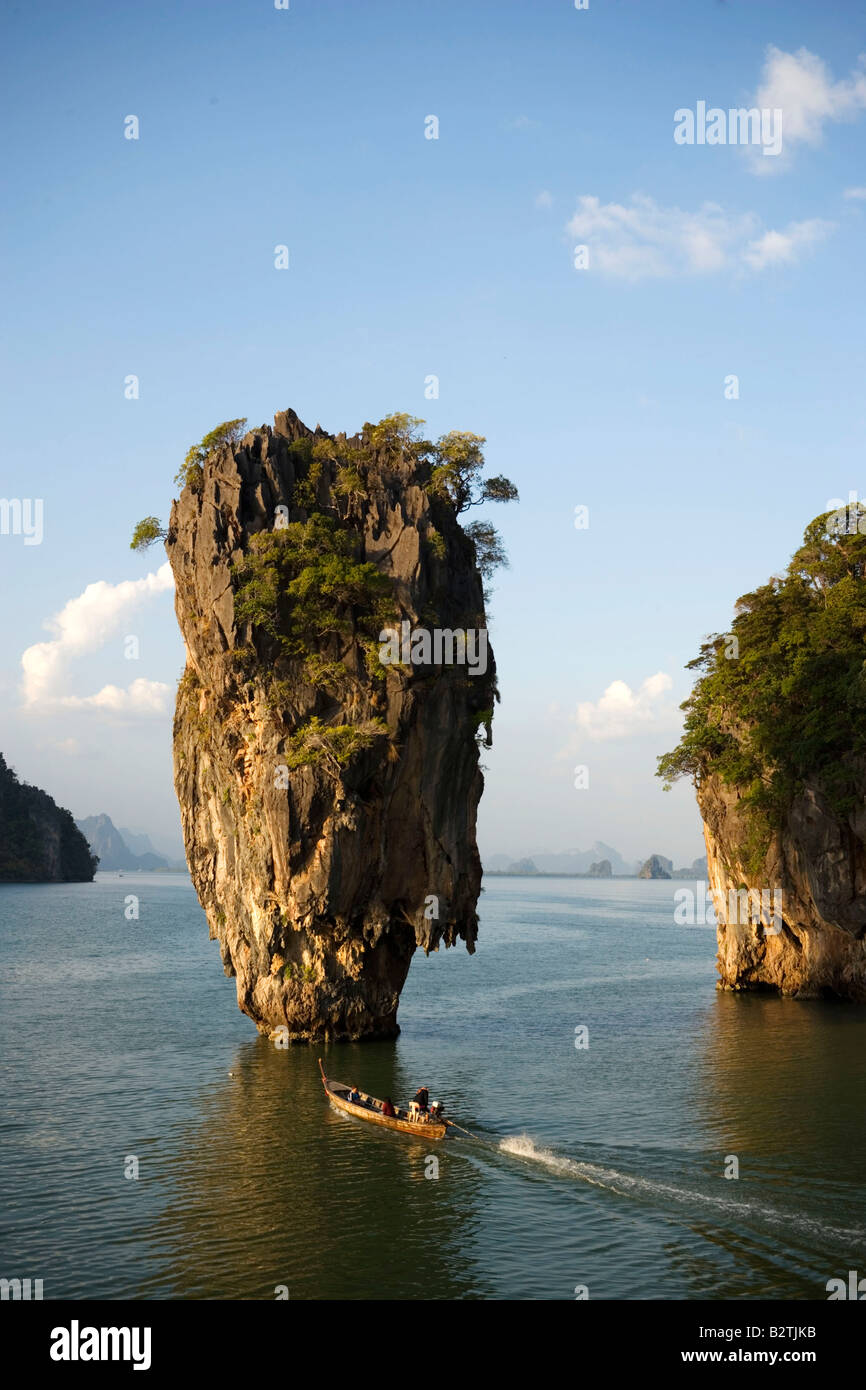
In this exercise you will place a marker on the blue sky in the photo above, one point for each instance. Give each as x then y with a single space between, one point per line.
409 257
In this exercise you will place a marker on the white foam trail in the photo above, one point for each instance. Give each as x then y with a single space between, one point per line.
522 1146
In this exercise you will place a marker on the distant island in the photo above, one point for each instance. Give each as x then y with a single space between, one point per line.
39 840
116 849
584 864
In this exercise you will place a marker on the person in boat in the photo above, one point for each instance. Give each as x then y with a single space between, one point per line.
388 1108
354 1096
422 1099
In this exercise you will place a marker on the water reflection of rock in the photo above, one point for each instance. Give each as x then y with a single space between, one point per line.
785 1080
780 1085
270 1186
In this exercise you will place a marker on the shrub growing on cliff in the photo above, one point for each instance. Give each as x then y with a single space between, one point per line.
307 487
305 582
458 459
490 553
334 745
451 469
782 697
147 533
191 472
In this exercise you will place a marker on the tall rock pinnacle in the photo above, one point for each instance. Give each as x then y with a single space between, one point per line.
328 793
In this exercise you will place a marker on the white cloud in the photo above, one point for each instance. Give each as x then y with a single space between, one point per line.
622 711
801 86
141 697
643 240
83 625
859 193
783 248
544 199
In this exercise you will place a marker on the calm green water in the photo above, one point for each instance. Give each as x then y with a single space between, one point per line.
602 1167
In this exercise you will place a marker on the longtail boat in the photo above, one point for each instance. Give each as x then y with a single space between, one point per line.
371 1109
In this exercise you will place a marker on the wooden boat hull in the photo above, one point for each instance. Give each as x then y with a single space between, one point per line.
337 1092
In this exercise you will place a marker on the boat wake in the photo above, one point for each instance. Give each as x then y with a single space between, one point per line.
629 1185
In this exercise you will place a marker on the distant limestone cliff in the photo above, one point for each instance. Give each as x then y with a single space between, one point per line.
657 867
39 840
696 870
775 742
107 842
328 781
522 866
571 863
601 870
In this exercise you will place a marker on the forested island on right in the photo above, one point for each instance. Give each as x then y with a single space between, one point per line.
775 743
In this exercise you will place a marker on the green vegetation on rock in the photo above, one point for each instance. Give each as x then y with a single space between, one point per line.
306 591
39 840
335 745
191 471
190 474
147 533
782 697
305 582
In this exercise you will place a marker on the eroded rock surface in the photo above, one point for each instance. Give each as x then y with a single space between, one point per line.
813 876
320 878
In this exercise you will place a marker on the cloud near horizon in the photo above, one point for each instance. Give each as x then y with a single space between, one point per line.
622 712
644 240
83 625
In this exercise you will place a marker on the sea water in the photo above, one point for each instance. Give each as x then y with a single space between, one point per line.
638 1134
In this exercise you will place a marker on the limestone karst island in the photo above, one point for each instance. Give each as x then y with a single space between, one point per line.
775 741
328 791
462 895
39 840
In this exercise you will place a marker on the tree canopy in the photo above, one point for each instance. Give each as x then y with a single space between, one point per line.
782 696
458 459
147 533
306 579
452 466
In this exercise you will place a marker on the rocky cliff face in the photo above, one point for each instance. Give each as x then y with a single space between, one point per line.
328 799
812 940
